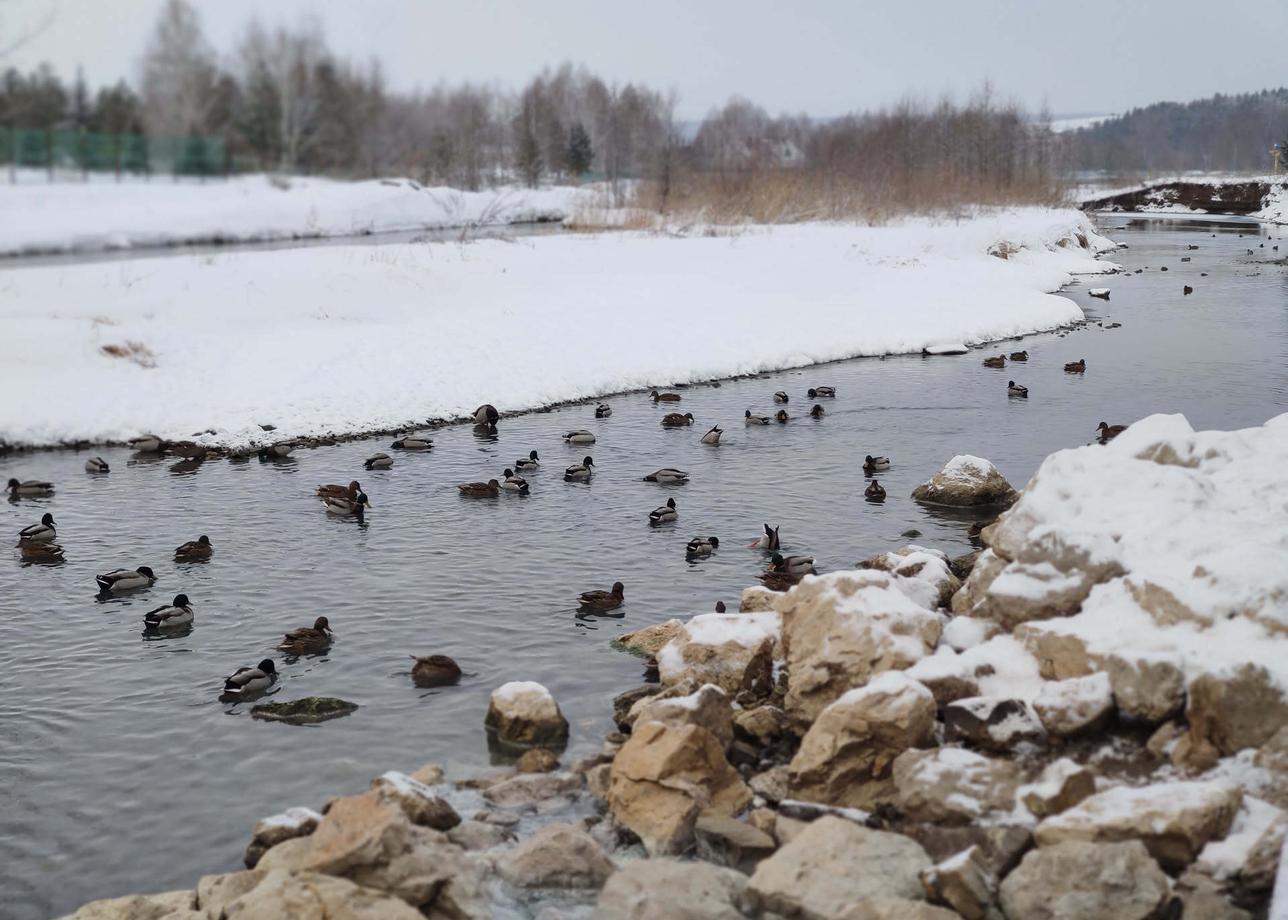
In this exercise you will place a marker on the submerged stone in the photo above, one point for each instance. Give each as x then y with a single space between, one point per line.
306 711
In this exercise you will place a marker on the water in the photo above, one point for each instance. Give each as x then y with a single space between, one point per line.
119 769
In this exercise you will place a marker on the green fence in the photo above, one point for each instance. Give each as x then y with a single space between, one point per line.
194 155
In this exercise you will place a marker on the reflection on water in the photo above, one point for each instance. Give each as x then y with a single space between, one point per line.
115 742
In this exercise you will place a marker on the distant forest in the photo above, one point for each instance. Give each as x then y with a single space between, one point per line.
1232 133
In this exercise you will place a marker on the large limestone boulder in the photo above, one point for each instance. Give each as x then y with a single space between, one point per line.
963 882
314 896
557 856
524 714
733 652
169 905
923 574
966 482
952 785
854 741
1173 820
1062 785
533 789
1080 705
1148 688
1247 860
831 865
841 629
729 842
356 831
758 599
668 889
1077 880
664 777
270 831
418 801
432 874
650 640
708 706
1010 593
1232 711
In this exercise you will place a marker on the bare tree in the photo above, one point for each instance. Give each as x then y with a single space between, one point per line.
178 75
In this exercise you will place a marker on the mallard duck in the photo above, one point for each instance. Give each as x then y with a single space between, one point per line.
378 462
276 451
1186 290
665 514
168 616
667 474
875 492
792 565
347 504
533 462
334 490
676 420
413 442
779 581
1076 367
96 465
873 464
602 600
434 671
579 472
1014 389
29 488
713 436
701 546
486 414
820 392
1108 432
603 410
756 419
780 397
43 532
246 681
194 550
579 437
120 580
513 483
817 412
720 607
489 489
767 540
781 417
664 397
995 361
41 552
146 444
308 639
1019 356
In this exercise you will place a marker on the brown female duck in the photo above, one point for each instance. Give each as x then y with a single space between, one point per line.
600 601
308 639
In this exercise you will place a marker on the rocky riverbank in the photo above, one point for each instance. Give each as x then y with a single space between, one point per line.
1086 718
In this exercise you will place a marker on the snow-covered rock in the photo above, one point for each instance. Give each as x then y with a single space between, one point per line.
1076 706
649 640
418 801
1239 708
991 722
733 652
966 482
951 785
523 713
963 883
708 706
1063 784
1249 855
270 831
923 574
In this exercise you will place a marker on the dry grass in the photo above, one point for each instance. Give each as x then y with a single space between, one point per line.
135 352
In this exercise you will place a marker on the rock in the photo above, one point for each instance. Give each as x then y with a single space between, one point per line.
842 629
733 652
1173 820
757 599
962 633
599 779
664 776
763 819
1235 711
169 905
708 707
431 774
307 711
787 829
270 831
215 892
966 482
962 882
1164 738
531 788
923 574
895 909
557 856
624 702
650 640
945 675
1273 758
1204 901
833 863
1080 705
729 842
358 830
289 854
1247 859
417 801
1063 784
1148 689
773 784
283 895
761 724
1060 656
1077 881
856 739
952 785
537 760
667 889
432 874
479 835
992 723
524 714
1012 593
998 846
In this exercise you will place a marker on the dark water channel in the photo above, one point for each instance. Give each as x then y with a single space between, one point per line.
119 769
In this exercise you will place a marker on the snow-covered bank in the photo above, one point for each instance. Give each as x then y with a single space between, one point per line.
352 339
75 216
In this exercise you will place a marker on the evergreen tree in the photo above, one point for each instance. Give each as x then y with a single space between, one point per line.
580 153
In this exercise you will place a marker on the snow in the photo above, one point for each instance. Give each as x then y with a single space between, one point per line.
517 688
962 633
346 339
404 784
887 682
65 216
954 348
892 610
1274 207
965 468
294 817
745 629
1098 292
1004 667
916 571
1223 859
1147 808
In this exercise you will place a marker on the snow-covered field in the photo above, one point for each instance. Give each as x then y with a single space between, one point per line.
67 216
349 339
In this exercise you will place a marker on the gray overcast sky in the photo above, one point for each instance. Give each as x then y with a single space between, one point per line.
823 57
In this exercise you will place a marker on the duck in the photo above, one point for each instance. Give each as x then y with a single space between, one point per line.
995 361
489 489
676 420
1019 356
598 601
700 547
580 472
96 465
486 414
667 474
380 461
1108 432
245 681
168 616
348 504
199 548
713 436
603 410
528 464
43 532
579 437
334 490
720 607
756 419
779 581
276 451
1014 389
665 514
780 396
767 540
664 397
1186 290
513 483
146 444
119 580
413 442
873 464
875 492
308 639
817 412
781 417
434 671
792 565
29 488
821 392
1076 367
975 531
41 552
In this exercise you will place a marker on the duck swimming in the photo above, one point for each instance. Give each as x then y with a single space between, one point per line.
335 490
378 462
667 474
599 601
780 397
178 613
768 540
579 437
486 414
713 436
29 488
533 462
276 451
43 532
580 472
875 492
1019 356
345 505
781 417
413 442
247 681
1076 367
820 392
308 639
121 580
700 547
756 419
96 465
41 552
676 420
817 411
194 550
665 514
489 489
434 671
1108 432
603 410
1014 389
873 464
995 361
146 444
664 397
513 483
792 565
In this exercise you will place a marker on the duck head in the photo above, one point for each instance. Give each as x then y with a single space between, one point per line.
670 503
146 570
321 624
180 600
619 590
267 666
532 455
589 461
203 540
47 520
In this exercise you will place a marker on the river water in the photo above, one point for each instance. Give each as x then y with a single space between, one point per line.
119 769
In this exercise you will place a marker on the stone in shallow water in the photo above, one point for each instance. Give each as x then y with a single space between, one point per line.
307 711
